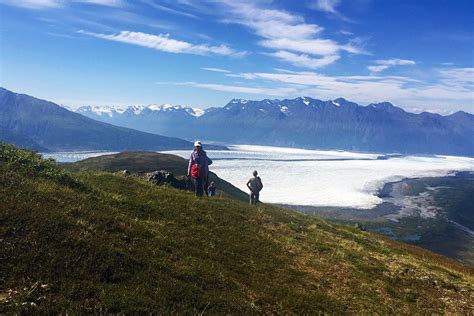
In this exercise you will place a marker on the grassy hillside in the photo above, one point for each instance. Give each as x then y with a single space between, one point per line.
133 161
83 242
143 161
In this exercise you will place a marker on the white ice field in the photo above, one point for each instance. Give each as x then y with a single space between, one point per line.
311 177
324 178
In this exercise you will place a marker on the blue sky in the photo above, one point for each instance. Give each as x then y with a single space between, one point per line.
416 54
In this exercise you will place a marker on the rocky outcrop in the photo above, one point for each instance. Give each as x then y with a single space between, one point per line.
166 178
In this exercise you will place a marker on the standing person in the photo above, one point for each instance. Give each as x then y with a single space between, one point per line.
211 189
255 185
198 169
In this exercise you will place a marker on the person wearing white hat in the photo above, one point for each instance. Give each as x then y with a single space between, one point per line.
198 169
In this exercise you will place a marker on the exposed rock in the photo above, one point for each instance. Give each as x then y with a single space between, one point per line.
163 177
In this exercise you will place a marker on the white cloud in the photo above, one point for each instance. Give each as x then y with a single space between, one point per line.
216 69
325 5
234 89
452 89
457 76
377 68
108 3
163 8
311 46
383 64
48 4
284 31
163 42
304 60
34 4
395 61
344 32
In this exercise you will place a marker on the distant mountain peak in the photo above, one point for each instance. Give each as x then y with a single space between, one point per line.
336 103
111 111
242 101
98 110
386 106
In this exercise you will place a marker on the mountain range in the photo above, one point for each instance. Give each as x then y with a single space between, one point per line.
163 119
304 122
45 126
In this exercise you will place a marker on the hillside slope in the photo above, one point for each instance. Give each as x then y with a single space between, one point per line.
141 162
48 126
82 242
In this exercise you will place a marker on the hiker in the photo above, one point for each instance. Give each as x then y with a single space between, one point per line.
211 189
255 185
198 169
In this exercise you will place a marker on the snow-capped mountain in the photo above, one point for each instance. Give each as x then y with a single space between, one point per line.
305 122
99 110
158 119
339 124
137 110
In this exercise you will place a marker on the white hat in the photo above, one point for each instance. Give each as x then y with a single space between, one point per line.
197 144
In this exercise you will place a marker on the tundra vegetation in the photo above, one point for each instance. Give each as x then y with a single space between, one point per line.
99 242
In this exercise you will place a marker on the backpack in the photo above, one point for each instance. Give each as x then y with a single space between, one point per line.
259 184
197 171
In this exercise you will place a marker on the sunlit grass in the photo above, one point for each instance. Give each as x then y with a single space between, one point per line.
99 242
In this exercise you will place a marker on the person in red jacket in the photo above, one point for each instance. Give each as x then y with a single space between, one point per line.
198 169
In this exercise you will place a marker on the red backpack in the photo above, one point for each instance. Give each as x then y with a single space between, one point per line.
197 171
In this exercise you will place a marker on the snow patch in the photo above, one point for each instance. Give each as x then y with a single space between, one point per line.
136 109
101 110
336 103
284 109
196 112
239 101
154 107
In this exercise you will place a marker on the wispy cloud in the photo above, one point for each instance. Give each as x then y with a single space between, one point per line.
283 31
233 88
163 42
452 88
393 62
168 9
325 5
215 69
108 3
458 77
319 47
305 61
383 64
344 32
48 4
330 7
34 4
378 68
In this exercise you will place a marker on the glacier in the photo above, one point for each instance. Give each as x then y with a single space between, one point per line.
324 178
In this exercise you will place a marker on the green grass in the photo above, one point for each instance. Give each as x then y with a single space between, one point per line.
144 161
83 242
